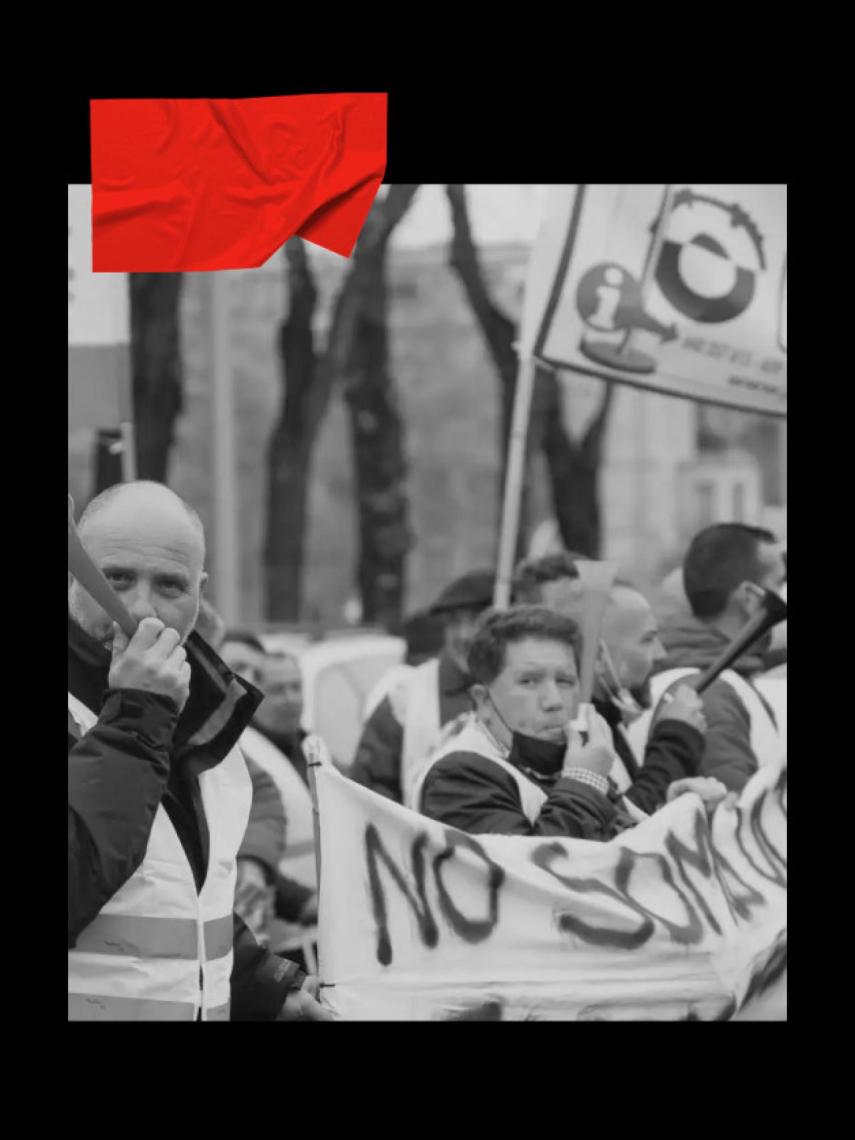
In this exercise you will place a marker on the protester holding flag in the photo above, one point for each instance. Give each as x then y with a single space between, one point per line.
629 650
724 572
407 724
158 794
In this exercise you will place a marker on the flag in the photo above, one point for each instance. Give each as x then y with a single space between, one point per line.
193 185
683 917
680 289
99 329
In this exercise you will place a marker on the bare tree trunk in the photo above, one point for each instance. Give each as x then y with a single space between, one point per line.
376 426
309 374
289 451
499 333
156 368
574 469
108 459
497 327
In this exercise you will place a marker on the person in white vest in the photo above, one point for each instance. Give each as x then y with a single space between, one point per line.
277 880
519 767
158 792
722 571
630 647
423 702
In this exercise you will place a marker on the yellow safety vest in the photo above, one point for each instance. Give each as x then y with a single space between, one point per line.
160 950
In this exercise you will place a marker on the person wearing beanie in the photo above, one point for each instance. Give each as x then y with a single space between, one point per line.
426 703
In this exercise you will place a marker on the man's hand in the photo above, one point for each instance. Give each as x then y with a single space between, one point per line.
303 1004
686 706
153 660
711 791
309 912
598 754
253 898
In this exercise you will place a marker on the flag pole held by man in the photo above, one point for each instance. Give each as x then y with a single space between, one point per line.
158 792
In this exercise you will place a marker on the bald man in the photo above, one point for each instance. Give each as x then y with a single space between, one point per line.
158 793
629 650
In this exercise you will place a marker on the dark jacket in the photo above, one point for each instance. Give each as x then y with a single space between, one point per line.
264 840
673 752
471 792
140 755
728 755
378 755
290 745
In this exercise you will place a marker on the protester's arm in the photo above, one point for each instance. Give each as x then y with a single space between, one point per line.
470 792
673 752
261 981
265 836
728 755
291 898
117 774
378 756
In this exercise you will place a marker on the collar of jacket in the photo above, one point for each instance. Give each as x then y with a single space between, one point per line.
691 643
286 743
610 713
541 771
452 679
219 707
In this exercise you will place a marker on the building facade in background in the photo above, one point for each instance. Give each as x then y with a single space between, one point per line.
669 465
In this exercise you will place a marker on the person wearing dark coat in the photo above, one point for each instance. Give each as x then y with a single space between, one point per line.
519 767
630 649
166 710
424 700
725 571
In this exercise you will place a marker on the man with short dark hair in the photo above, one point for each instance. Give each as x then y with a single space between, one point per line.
725 571
518 767
423 702
552 581
629 650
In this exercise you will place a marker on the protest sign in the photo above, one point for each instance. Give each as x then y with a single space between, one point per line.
683 917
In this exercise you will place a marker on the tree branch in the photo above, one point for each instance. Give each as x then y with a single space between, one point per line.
498 329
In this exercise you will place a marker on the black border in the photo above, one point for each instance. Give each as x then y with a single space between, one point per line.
521 119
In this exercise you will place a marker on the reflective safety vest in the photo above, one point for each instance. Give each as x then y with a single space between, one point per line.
298 862
767 743
160 950
414 700
474 738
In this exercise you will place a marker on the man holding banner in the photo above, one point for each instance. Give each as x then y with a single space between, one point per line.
628 650
519 767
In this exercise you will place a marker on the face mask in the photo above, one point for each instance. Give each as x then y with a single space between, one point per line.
530 751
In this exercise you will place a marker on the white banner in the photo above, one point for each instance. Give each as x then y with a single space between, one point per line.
681 289
683 917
